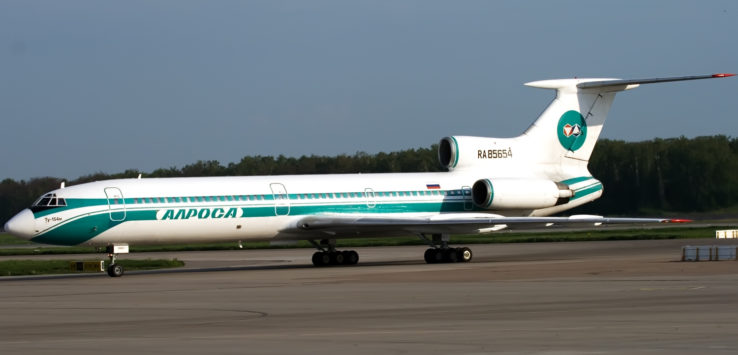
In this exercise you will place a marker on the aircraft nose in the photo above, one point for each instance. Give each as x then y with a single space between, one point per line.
22 225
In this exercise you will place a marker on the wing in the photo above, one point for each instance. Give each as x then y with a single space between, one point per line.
453 223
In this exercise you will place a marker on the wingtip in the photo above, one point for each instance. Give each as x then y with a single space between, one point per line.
722 75
679 220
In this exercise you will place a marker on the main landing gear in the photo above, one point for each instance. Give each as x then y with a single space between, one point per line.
327 255
115 270
439 252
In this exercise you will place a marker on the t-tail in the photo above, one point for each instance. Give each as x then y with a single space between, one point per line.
560 142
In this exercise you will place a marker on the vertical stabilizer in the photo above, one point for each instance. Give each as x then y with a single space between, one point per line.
568 129
571 124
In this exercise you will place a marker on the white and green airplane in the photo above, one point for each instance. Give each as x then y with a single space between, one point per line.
491 184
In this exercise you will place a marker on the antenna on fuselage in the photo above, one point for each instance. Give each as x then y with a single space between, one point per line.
62 184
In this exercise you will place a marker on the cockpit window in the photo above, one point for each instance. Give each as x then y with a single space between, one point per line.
48 201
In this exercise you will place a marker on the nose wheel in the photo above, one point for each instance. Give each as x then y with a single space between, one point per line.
115 270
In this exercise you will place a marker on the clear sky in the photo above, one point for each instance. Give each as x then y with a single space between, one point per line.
89 86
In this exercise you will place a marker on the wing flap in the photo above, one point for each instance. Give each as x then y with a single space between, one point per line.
455 223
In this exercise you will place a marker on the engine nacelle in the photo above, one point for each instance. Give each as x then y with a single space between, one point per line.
462 151
528 193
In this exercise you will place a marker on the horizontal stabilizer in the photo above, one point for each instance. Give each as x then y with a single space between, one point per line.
634 82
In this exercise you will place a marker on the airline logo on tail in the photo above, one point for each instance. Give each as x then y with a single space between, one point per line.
572 130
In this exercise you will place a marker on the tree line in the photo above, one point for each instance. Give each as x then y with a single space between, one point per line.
677 174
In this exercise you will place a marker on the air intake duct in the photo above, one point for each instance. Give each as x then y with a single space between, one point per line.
521 194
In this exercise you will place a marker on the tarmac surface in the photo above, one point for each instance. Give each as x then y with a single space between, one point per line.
542 298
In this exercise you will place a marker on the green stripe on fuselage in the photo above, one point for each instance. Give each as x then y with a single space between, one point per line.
85 227
587 190
82 228
575 180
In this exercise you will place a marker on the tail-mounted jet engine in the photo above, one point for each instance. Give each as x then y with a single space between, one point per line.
513 193
463 151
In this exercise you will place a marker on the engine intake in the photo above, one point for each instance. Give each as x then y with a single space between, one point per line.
448 152
509 193
459 152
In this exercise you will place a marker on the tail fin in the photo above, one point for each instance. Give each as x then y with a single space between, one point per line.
578 114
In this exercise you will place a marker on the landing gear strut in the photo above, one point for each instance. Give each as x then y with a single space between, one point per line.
439 252
327 255
115 270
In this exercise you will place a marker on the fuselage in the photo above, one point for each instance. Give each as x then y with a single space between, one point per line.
206 209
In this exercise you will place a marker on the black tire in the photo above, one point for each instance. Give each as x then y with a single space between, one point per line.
430 256
318 259
464 255
438 256
325 258
451 255
115 270
352 257
338 258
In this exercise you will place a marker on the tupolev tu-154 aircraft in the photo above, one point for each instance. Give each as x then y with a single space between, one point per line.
491 184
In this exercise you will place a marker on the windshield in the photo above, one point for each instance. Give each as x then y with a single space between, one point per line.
48 201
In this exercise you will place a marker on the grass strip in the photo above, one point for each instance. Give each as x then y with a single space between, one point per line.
7 239
46 267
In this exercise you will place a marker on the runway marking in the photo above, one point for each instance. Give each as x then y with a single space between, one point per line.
690 288
380 332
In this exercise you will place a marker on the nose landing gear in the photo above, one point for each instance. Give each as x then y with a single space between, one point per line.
115 270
